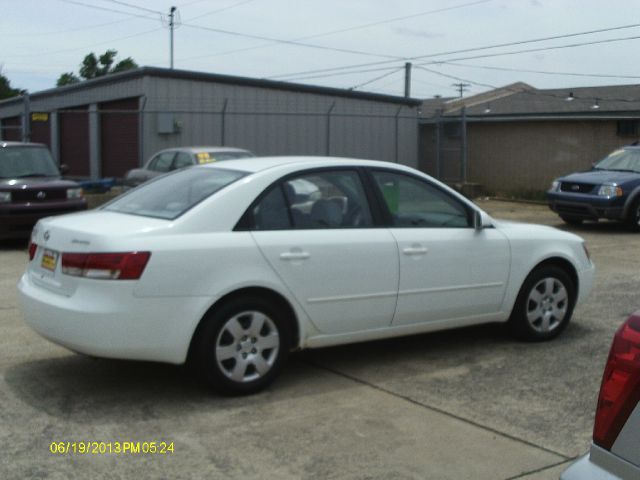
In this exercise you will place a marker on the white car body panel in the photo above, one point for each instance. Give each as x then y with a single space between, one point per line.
450 273
197 259
351 275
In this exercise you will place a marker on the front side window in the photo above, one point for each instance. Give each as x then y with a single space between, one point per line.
328 199
162 162
171 195
415 203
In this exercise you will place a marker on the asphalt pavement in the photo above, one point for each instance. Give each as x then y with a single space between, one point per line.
463 404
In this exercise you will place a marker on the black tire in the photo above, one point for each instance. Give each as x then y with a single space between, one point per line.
545 317
633 216
571 220
230 331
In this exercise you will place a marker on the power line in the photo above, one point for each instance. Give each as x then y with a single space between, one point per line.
75 49
452 52
342 30
337 74
379 77
541 49
220 10
287 42
529 92
65 31
130 5
96 7
543 72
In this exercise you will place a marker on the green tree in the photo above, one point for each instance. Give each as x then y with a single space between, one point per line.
6 90
93 66
68 78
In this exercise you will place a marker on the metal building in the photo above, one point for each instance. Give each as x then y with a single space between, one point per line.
106 126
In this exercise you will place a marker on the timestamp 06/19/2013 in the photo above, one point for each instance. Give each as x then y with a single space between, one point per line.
112 448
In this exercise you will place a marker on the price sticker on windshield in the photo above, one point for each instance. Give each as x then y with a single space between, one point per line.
205 157
49 260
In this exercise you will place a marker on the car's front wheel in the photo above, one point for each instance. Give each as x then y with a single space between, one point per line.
633 216
544 305
242 345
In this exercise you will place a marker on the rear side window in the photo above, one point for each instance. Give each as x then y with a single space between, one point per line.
182 160
321 200
172 195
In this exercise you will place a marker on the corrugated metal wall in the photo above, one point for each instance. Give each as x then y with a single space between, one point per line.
274 122
266 120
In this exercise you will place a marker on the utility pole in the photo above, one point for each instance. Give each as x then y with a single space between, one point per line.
171 25
461 87
407 79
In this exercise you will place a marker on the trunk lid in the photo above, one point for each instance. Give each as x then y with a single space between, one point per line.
94 231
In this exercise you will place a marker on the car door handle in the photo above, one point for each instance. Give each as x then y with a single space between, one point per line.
415 250
294 256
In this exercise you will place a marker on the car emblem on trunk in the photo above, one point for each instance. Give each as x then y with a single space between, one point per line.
46 235
41 195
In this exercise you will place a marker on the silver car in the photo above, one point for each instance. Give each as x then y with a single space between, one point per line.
174 158
615 451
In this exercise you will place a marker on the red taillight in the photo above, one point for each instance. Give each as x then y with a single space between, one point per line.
620 389
32 250
109 266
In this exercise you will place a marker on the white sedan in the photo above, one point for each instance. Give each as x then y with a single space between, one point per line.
233 265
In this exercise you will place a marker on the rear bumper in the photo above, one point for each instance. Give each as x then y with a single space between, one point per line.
17 220
587 207
585 469
599 464
106 320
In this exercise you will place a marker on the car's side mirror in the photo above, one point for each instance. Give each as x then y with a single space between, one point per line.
64 168
481 220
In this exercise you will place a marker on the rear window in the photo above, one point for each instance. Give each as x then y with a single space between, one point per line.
173 194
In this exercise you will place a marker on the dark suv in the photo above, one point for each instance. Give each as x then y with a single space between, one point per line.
611 190
31 188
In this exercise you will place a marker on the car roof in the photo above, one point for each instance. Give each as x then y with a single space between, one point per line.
6 144
257 164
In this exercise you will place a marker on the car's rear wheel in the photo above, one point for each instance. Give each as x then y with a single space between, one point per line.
633 216
242 345
571 220
544 305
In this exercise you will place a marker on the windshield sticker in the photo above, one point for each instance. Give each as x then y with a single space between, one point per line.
617 152
204 157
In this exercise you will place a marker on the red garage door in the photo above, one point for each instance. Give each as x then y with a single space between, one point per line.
12 129
41 128
119 137
74 140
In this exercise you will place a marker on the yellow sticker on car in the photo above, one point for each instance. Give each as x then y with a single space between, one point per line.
49 260
205 157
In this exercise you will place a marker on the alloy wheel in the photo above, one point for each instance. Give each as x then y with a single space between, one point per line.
247 346
547 305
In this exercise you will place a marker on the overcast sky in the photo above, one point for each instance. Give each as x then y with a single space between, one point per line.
366 42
